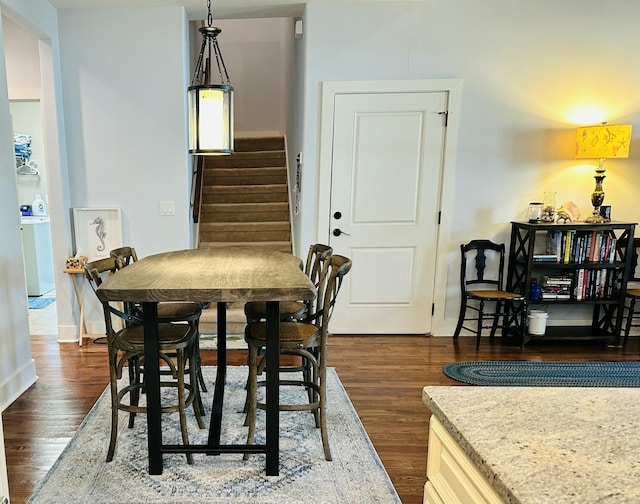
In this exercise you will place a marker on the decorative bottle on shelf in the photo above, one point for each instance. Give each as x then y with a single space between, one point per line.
549 207
38 208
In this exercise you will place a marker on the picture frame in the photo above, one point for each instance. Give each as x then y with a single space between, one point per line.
96 231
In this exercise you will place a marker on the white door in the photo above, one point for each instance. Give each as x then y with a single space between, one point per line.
386 176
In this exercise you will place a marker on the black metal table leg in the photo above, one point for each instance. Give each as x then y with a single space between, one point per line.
152 379
215 426
272 388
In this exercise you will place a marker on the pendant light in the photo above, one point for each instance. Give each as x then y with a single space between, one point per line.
210 105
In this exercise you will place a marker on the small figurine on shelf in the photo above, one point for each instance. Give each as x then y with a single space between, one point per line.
549 207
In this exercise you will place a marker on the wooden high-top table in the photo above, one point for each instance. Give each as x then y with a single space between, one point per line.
218 275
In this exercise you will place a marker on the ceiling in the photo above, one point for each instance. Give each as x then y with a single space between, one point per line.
221 9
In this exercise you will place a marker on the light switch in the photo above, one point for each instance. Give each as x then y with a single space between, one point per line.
167 208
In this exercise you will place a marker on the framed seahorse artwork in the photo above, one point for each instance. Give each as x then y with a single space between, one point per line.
96 231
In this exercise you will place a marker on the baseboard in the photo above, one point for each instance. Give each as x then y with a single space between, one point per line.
67 333
14 386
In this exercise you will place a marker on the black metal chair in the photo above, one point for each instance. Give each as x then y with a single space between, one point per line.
481 282
632 294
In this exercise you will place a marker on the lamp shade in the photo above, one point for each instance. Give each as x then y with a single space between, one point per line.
210 119
603 141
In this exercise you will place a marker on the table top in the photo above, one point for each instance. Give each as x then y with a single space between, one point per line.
547 444
210 275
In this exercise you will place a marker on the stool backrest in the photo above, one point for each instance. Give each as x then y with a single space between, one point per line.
127 255
332 277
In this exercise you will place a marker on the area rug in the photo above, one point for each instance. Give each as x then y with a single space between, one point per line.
39 303
234 342
356 474
545 374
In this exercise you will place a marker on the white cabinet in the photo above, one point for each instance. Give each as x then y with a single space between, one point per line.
452 478
38 255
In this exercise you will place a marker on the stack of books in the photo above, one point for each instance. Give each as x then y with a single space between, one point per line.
556 288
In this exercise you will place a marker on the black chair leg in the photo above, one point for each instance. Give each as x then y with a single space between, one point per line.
480 322
463 311
496 318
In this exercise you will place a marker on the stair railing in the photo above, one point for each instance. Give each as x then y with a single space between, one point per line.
196 186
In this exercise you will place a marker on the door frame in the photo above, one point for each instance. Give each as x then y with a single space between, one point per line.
453 87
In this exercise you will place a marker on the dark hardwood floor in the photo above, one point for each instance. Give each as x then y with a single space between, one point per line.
383 375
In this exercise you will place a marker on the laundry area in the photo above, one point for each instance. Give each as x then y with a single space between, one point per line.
31 182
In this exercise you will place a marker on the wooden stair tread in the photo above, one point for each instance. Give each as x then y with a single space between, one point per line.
282 246
245 226
265 188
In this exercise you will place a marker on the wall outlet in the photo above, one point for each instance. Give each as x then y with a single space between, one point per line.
167 208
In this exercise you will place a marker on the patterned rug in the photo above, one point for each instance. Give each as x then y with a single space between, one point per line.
545 374
234 342
356 474
40 302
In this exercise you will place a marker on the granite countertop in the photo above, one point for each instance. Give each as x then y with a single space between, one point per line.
547 444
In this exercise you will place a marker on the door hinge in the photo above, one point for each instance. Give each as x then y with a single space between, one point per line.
439 217
433 309
445 115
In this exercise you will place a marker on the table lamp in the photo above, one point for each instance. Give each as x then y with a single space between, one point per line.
602 142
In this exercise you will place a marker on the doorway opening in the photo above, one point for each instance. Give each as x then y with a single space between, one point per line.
24 78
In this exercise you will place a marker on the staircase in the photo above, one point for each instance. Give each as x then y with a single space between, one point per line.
245 202
245 197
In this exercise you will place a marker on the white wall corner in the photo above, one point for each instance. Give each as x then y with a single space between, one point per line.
17 383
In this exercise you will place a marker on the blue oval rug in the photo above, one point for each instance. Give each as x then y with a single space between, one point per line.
545 374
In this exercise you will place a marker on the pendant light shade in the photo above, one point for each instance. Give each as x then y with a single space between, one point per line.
210 105
210 119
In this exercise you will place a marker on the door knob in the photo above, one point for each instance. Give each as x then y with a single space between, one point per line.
338 232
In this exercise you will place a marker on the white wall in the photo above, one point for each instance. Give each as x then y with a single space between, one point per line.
17 369
257 55
526 68
125 115
125 120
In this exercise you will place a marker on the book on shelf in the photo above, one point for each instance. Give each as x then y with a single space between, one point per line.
545 258
578 247
552 296
592 284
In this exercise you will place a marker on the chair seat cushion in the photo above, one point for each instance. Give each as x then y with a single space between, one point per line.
257 310
169 335
488 295
290 332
